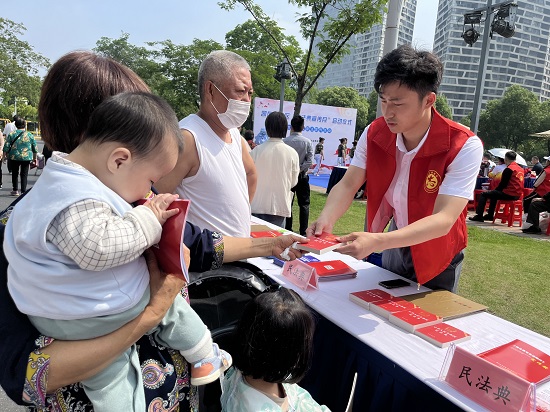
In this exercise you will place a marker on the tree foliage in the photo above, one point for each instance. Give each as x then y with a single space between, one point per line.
508 122
327 35
179 68
373 104
262 53
170 70
442 106
19 69
346 97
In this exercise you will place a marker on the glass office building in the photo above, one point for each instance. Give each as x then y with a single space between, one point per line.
357 68
522 59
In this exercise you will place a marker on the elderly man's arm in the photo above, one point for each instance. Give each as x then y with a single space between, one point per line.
187 165
309 158
250 169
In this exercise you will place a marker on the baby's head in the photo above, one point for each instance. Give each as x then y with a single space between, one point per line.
274 337
132 140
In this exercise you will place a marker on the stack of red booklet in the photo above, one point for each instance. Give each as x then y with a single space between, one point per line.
408 316
266 233
442 334
332 270
521 359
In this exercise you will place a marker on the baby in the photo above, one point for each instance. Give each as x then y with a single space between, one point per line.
74 245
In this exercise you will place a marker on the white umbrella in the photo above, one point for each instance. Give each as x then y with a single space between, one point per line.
501 152
545 134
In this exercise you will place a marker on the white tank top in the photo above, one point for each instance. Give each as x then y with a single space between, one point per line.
219 190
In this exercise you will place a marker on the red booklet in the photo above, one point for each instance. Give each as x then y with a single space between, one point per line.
521 359
333 269
415 318
386 307
169 250
366 297
320 244
442 334
266 233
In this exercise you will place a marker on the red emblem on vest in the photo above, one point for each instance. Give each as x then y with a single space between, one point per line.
433 180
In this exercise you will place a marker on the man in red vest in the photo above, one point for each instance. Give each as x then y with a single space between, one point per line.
421 170
540 201
509 188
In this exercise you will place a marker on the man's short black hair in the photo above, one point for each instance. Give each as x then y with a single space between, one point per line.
510 155
248 135
137 120
297 123
420 71
19 122
274 337
276 124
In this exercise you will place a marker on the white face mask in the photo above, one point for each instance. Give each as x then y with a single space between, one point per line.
236 114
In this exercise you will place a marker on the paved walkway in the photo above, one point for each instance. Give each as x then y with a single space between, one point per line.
514 230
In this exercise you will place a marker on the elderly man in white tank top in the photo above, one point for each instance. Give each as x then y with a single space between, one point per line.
215 170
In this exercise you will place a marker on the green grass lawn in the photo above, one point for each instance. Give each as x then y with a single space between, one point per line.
507 273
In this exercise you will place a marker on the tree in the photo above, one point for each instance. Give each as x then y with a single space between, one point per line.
180 70
442 106
373 105
169 69
19 69
327 35
137 58
346 97
509 121
263 54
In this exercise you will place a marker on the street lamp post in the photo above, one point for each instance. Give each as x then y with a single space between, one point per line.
282 72
503 23
23 99
390 35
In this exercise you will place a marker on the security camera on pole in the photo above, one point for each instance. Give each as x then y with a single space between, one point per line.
503 23
282 72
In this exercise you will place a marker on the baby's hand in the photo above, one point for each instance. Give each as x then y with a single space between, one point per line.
159 205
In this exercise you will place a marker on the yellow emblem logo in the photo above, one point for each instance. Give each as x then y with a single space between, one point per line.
433 180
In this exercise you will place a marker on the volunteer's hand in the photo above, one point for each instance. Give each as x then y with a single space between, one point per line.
359 244
319 226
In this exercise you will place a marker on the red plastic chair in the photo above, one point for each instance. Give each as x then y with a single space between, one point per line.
509 211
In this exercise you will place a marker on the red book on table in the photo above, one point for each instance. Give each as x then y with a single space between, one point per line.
266 233
521 359
333 269
386 307
323 243
366 297
415 318
442 334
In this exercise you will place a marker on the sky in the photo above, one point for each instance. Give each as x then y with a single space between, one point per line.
57 27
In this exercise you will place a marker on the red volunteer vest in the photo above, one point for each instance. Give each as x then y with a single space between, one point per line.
544 187
515 185
428 168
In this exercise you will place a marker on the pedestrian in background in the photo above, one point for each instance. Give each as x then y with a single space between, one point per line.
304 147
19 150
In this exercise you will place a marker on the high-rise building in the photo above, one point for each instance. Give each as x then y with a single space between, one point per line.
357 68
523 59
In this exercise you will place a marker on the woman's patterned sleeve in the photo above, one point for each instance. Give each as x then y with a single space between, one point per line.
34 390
206 248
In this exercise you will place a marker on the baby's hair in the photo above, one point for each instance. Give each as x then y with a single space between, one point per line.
274 337
136 120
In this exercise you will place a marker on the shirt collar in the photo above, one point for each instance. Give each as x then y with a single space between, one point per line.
401 144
